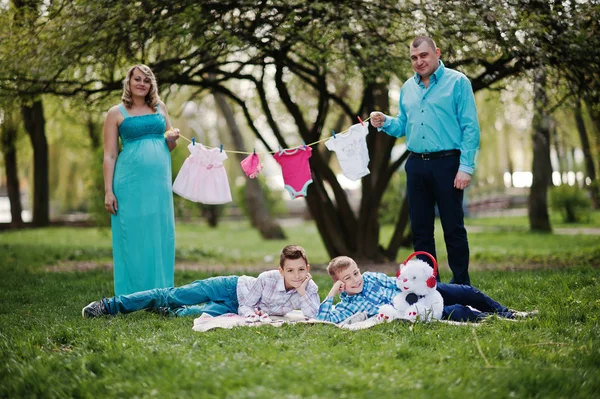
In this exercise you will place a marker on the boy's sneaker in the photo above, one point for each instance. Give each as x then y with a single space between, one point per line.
523 315
94 309
355 318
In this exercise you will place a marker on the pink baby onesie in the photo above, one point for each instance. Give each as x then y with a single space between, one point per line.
351 151
202 178
295 169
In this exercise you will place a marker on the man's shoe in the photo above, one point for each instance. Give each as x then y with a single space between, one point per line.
523 315
94 309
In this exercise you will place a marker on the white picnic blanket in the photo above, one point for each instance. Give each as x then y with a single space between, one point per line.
359 321
230 320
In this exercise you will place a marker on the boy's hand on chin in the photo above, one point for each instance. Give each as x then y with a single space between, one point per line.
302 288
338 288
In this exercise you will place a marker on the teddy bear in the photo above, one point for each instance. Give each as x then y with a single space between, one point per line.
418 299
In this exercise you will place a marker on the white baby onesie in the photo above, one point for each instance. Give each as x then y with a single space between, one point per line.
351 150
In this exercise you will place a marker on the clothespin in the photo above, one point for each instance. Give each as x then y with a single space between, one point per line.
278 148
333 132
254 151
193 141
221 147
360 120
304 144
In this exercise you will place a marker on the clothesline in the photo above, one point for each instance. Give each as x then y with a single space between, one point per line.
273 152
202 177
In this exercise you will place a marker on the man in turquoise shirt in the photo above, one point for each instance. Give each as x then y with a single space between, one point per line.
439 119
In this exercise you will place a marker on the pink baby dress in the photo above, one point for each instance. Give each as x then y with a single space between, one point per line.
295 169
202 178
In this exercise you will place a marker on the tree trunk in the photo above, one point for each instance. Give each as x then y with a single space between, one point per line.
94 131
344 233
9 151
589 160
593 106
399 239
539 219
559 152
260 216
211 214
367 233
33 119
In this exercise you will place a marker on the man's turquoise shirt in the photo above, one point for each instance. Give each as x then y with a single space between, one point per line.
441 117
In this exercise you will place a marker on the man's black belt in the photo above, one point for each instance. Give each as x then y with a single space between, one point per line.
426 156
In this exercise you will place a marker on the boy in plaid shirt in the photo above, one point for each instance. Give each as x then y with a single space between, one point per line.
366 292
274 292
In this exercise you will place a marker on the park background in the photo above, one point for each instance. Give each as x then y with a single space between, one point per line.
262 75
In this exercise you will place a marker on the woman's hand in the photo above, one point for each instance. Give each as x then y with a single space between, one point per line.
172 135
110 203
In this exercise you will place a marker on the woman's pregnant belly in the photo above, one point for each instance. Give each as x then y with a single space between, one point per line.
143 162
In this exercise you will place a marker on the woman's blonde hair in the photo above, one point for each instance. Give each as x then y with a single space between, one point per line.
152 97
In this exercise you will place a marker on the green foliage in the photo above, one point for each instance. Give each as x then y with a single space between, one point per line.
273 200
572 203
391 202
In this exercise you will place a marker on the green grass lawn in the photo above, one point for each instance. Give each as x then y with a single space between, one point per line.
48 351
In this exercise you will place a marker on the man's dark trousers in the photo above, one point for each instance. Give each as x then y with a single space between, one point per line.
430 181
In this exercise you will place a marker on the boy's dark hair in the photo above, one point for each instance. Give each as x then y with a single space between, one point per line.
292 252
339 264
420 39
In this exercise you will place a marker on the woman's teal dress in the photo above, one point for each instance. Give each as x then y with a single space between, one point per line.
143 230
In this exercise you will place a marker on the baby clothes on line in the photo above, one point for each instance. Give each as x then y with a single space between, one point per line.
251 166
351 151
203 178
295 169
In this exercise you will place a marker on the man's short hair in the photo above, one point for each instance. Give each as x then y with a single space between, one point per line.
292 252
420 39
339 264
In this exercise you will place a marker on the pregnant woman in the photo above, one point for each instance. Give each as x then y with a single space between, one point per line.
137 183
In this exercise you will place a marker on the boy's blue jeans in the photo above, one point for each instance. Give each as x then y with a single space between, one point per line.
218 295
457 297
